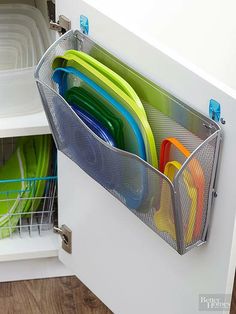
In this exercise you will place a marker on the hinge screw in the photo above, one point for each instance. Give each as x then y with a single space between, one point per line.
222 120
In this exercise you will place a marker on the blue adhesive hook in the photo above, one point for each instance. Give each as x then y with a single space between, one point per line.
84 24
214 110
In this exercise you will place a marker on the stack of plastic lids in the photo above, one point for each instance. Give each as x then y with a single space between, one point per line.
29 162
109 106
90 86
24 37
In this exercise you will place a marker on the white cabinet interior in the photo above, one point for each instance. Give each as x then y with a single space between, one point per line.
25 242
22 113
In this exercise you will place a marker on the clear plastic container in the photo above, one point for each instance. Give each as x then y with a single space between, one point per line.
31 12
22 34
30 25
9 57
18 93
24 37
12 54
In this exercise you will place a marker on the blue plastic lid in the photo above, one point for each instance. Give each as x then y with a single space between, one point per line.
94 125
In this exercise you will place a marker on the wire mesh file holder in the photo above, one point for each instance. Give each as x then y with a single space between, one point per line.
24 212
177 210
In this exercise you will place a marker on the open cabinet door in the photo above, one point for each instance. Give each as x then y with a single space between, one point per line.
123 262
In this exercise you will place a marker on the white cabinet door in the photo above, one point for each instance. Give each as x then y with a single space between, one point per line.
120 259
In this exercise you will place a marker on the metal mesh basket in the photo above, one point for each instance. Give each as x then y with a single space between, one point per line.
41 210
171 209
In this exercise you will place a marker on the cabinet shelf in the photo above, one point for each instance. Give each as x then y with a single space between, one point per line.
26 247
33 124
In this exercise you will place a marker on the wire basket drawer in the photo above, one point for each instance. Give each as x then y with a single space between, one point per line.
39 217
28 206
176 210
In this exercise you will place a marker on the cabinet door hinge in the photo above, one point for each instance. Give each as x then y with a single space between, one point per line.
62 26
66 236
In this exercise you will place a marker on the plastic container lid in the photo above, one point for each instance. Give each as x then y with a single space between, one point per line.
111 75
72 60
133 137
94 125
90 104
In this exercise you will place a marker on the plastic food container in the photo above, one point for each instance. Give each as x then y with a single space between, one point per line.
22 34
29 24
15 54
34 14
24 37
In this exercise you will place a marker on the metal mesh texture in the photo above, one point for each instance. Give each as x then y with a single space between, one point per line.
126 176
193 185
164 127
153 97
144 190
43 71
